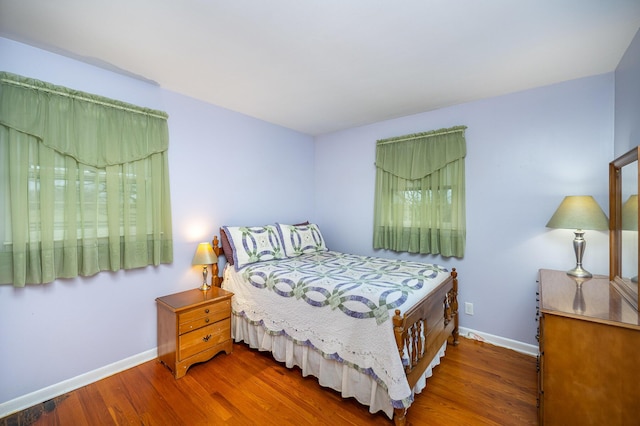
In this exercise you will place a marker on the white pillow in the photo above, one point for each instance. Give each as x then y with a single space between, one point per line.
254 244
300 239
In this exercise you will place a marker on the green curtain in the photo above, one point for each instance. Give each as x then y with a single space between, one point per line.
84 185
420 193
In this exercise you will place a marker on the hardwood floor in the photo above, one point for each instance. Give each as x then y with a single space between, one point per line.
475 384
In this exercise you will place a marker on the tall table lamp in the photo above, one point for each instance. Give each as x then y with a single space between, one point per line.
579 212
204 256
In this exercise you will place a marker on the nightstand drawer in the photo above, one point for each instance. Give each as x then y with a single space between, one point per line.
206 310
213 316
204 338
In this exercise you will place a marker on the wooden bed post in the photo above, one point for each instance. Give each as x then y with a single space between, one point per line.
398 331
216 280
454 307
399 416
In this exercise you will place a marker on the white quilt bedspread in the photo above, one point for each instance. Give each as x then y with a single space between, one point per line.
338 304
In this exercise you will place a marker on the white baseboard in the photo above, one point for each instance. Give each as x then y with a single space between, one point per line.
515 345
45 394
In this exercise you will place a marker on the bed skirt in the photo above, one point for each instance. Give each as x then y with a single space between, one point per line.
350 382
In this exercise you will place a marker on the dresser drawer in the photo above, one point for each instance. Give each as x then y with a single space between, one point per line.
204 338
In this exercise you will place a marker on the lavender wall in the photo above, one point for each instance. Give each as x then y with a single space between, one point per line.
627 104
57 331
526 151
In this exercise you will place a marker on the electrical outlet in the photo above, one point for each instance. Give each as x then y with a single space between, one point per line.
468 308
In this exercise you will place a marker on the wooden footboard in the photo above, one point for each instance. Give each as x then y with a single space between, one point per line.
423 329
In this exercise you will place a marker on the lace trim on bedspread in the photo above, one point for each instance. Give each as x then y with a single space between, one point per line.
404 403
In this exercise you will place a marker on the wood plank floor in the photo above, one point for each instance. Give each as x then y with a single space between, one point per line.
475 384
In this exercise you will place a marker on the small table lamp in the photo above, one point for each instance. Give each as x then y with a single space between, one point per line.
579 212
204 256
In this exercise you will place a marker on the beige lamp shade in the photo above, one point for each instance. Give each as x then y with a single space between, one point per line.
204 255
630 214
579 212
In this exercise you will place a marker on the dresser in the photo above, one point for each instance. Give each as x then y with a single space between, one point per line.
589 353
193 326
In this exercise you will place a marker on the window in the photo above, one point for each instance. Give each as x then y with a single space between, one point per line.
84 184
90 183
420 193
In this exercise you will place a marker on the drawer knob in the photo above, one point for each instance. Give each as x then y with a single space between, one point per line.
206 338
206 320
206 311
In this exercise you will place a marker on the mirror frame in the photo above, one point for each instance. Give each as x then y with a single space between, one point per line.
615 224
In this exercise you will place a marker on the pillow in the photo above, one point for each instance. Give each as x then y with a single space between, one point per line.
300 239
253 244
226 245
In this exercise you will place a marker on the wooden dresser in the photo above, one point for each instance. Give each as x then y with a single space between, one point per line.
193 326
589 359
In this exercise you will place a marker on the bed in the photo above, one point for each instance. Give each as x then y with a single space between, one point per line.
370 328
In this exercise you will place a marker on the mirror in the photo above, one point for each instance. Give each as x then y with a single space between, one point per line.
623 224
629 235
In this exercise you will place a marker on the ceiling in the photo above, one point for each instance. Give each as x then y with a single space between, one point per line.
319 66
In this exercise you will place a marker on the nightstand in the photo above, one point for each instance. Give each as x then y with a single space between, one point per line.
193 326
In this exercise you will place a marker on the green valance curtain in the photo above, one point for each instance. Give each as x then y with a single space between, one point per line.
84 183
420 193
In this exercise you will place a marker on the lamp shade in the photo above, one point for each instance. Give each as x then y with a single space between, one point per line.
204 255
630 214
579 212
